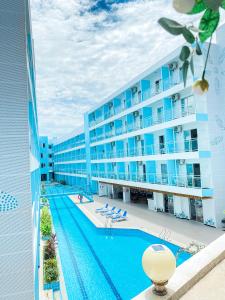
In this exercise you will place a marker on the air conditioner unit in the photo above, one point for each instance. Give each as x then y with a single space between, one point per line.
181 161
140 163
111 124
113 144
175 97
110 104
173 66
138 138
136 113
134 89
178 129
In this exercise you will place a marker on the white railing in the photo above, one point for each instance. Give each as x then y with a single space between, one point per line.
167 115
186 181
167 148
137 98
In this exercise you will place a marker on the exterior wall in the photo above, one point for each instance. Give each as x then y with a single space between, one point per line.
70 165
19 156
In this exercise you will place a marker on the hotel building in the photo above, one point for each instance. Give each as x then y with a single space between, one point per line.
155 142
19 155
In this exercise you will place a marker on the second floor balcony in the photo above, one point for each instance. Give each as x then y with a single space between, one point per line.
160 149
183 180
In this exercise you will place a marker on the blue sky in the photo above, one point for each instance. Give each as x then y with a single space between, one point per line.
86 49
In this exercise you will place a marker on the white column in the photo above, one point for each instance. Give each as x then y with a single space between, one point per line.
126 194
102 189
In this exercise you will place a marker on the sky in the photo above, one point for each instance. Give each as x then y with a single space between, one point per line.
87 49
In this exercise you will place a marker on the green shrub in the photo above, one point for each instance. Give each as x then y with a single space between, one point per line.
51 272
44 200
46 222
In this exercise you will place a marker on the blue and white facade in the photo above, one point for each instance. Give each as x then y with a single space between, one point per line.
70 160
155 140
19 155
46 159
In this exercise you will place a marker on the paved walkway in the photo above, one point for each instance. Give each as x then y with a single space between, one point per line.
178 231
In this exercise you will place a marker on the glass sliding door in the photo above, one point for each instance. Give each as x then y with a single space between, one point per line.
168 203
164 174
196 210
193 175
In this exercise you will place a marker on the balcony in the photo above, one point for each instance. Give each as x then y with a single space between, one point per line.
165 148
158 87
71 171
168 115
182 181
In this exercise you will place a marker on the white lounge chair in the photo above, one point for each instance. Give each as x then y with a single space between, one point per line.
120 217
112 213
104 212
98 210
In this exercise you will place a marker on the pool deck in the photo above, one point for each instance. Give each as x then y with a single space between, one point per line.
165 226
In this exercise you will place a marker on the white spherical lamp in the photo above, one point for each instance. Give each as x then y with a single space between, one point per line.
159 264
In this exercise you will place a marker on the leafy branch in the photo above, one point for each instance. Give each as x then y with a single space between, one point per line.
192 35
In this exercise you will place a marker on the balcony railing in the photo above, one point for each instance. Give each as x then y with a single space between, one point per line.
167 148
68 146
71 171
168 115
71 157
162 85
185 181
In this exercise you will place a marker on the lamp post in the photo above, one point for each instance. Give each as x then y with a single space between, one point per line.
159 264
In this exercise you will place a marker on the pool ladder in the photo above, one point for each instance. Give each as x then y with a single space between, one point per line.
165 235
108 227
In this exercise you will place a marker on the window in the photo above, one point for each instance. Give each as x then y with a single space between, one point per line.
43 145
50 155
50 164
50 147
42 165
41 155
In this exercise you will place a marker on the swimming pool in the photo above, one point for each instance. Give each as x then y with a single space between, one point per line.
98 263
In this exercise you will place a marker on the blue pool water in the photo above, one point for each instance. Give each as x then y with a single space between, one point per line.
97 263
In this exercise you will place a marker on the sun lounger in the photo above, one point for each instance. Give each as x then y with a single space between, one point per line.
112 213
120 217
98 210
112 209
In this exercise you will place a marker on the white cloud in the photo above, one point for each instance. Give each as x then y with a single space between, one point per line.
83 57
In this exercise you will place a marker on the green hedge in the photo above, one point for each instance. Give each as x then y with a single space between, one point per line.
46 222
51 272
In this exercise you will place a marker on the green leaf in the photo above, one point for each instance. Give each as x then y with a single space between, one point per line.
198 7
223 4
213 4
189 37
185 53
198 49
192 66
208 24
171 26
185 71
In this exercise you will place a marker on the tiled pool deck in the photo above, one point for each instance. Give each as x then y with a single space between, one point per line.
180 232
